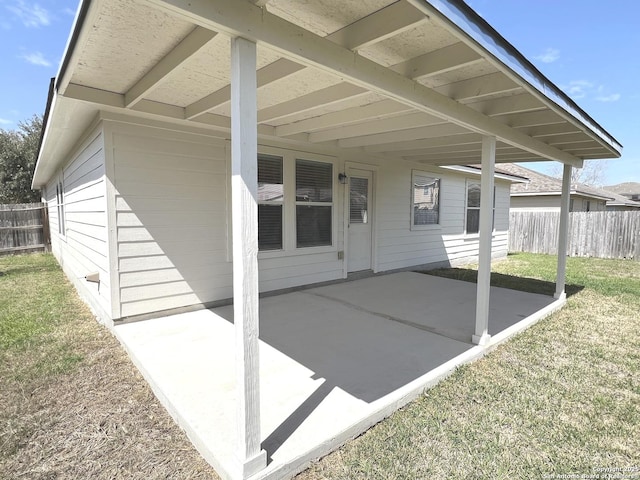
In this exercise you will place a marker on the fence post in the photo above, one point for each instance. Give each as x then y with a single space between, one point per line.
46 233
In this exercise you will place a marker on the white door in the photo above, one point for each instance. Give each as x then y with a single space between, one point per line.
360 218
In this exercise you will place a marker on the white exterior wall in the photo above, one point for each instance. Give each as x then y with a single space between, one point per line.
83 249
168 207
170 193
398 246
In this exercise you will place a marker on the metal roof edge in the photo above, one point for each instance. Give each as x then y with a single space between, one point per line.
481 32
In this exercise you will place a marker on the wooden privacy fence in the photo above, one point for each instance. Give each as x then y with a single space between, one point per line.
591 234
24 227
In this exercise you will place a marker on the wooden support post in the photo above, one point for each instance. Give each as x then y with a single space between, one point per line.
481 336
244 189
563 231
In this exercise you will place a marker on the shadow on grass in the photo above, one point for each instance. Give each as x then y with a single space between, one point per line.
523 284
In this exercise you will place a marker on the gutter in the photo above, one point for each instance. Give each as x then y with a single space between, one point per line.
477 29
54 83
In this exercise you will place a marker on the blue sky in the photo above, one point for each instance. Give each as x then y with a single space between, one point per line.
588 48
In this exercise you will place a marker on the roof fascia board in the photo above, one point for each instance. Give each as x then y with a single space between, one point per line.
241 18
488 39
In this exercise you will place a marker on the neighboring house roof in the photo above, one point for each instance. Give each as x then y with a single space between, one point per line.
627 188
448 80
541 184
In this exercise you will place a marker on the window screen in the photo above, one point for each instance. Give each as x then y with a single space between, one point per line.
270 202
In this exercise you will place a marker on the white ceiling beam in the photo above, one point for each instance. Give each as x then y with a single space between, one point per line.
323 97
384 108
443 129
439 61
461 155
394 147
393 124
375 27
386 22
281 68
188 47
433 63
240 18
478 87
567 139
543 131
508 105
532 119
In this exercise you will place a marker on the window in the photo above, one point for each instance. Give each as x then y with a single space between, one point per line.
425 200
473 207
60 206
314 203
270 202
295 202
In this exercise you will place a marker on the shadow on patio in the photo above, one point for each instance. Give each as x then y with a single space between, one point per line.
333 359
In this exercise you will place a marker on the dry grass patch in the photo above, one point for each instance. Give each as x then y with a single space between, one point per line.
72 405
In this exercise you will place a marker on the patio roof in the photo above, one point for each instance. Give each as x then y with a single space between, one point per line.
410 79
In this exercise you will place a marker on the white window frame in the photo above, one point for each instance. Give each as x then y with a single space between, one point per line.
289 158
423 174
61 206
467 208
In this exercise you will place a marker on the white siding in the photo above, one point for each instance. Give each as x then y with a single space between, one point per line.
83 248
171 218
399 247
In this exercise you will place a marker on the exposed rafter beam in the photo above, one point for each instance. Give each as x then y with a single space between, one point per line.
384 108
439 61
396 146
532 119
281 68
508 105
386 22
326 96
478 87
434 131
240 18
543 131
374 28
112 99
394 124
189 46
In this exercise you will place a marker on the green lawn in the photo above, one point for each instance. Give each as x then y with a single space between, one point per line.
563 398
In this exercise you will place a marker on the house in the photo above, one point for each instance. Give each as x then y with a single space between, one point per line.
541 193
200 151
630 190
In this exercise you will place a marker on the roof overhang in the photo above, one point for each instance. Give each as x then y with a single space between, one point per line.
410 79
573 192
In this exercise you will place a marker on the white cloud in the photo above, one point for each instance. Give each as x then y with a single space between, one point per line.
36 58
31 15
550 55
4 121
578 88
69 11
614 97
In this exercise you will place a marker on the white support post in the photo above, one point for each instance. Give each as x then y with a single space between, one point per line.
563 232
244 188
481 336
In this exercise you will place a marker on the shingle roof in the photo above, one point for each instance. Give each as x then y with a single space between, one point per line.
539 183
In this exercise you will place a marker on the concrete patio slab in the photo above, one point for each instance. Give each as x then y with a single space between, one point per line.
334 360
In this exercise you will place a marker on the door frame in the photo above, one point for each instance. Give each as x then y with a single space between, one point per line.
349 166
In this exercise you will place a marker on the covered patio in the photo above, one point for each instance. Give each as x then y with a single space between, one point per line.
334 360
